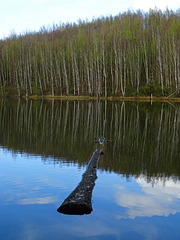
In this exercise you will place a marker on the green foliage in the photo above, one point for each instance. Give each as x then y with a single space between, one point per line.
146 91
36 90
107 56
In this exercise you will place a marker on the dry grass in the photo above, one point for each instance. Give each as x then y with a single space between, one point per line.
140 99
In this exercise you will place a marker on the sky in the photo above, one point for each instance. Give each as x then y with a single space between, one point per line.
20 16
160 200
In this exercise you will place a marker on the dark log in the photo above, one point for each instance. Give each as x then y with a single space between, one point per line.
79 201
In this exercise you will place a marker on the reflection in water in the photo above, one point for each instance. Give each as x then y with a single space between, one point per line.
138 177
30 201
146 137
161 200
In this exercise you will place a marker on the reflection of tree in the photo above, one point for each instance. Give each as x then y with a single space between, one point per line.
146 138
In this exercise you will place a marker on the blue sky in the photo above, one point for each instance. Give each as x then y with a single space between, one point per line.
23 15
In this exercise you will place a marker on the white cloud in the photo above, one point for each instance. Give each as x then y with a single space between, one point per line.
159 200
20 15
43 200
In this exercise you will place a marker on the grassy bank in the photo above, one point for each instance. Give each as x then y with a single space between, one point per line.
110 98
141 99
143 95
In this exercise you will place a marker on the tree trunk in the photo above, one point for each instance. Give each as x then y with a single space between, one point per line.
79 201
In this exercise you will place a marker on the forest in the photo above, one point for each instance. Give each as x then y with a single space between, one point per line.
131 54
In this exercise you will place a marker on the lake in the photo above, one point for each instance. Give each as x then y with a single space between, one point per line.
45 147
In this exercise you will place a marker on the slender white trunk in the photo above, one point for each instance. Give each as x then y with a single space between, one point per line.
160 62
65 75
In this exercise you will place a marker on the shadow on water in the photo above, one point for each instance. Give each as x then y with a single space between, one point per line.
145 137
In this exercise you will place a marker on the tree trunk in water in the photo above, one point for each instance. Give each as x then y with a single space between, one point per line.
79 201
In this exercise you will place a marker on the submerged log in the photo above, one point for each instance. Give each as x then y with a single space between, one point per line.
79 201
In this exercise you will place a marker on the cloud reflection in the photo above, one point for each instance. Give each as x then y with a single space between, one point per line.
159 200
43 200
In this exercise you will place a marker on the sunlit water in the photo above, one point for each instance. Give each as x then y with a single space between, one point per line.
45 148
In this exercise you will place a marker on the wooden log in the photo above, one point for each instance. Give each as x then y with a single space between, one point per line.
79 201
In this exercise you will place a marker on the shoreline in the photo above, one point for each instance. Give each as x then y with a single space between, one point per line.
87 98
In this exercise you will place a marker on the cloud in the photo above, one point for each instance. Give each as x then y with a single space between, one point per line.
43 200
21 16
151 201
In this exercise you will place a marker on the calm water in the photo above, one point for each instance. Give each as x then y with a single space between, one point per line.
45 148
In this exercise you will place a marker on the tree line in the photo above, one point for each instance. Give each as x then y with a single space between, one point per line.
133 53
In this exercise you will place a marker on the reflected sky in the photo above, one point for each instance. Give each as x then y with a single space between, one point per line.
136 196
161 199
26 179
32 189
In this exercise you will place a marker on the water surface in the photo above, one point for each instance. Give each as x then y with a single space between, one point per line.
45 148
